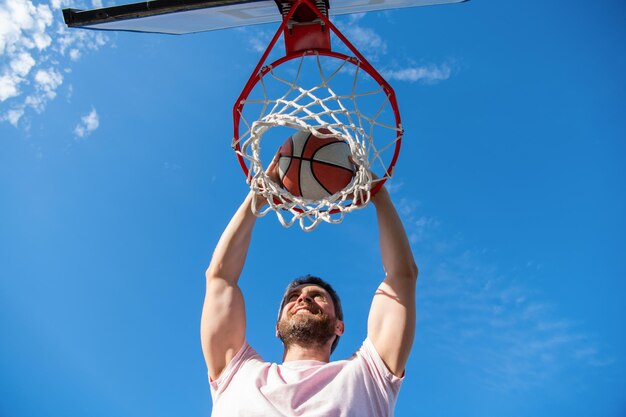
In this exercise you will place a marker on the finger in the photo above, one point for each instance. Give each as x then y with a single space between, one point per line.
274 161
272 170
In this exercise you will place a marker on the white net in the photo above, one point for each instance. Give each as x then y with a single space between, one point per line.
326 94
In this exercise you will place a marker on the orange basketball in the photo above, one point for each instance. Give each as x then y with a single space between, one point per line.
314 168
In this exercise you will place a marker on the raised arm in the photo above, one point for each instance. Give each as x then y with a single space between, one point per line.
391 323
223 324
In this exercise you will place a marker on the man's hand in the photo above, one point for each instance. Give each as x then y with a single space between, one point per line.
272 170
272 174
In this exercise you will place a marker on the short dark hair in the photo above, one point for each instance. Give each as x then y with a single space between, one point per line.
313 280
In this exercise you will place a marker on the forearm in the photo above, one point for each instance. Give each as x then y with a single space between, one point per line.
391 323
395 249
231 250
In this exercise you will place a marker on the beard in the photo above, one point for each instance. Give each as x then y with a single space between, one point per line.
306 329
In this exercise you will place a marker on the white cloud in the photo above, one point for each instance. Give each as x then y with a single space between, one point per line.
355 17
87 125
22 64
34 42
257 44
74 54
257 39
24 26
394 185
429 74
421 228
47 81
373 46
366 40
42 40
13 116
9 86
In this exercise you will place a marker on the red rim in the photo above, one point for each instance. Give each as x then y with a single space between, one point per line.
357 60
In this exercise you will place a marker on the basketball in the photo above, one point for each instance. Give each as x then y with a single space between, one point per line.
314 168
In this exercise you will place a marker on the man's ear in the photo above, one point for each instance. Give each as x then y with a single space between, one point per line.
277 335
339 328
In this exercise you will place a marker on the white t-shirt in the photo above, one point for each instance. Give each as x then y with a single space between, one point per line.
360 386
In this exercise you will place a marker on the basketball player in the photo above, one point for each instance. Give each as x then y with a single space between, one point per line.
310 323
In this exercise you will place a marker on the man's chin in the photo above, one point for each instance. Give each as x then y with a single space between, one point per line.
306 329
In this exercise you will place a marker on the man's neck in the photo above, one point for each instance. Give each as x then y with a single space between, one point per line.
314 353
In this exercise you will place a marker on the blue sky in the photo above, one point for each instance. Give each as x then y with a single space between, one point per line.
117 178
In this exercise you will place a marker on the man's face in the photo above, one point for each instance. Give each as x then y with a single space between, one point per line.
308 317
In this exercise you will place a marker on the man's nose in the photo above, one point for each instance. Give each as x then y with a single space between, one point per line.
305 298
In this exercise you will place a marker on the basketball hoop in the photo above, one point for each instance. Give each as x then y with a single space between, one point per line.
315 89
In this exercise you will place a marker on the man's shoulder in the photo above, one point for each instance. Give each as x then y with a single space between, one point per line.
247 353
246 356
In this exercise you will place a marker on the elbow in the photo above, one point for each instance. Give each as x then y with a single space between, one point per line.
212 271
407 271
413 270
218 272
410 270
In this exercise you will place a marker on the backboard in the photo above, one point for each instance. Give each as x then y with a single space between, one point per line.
179 17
